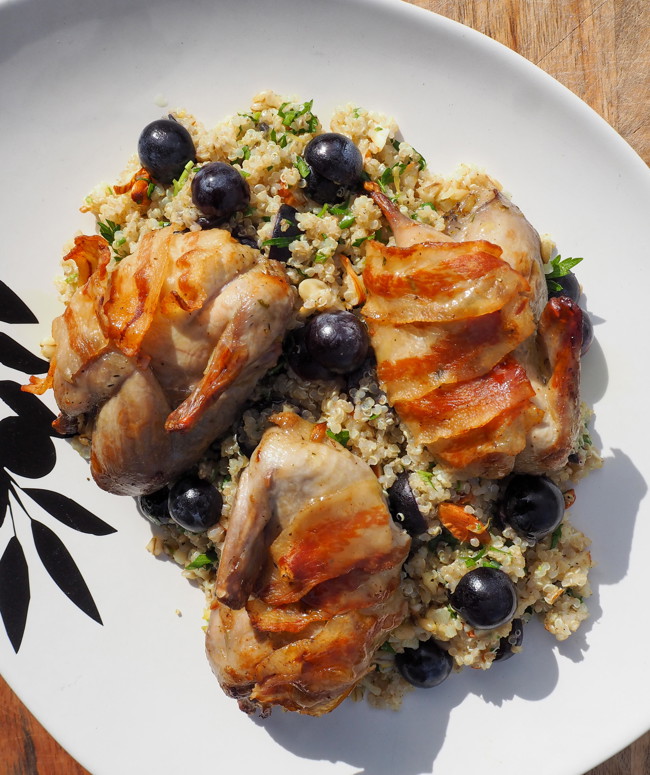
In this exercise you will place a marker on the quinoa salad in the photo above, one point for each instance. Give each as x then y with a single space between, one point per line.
324 251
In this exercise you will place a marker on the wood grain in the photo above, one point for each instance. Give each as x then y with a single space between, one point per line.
600 49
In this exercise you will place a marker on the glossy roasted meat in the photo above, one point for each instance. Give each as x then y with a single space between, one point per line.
158 355
478 366
308 581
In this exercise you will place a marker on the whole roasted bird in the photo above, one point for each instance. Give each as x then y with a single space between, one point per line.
480 366
308 583
155 358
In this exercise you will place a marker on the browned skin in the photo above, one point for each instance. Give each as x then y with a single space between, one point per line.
478 366
308 583
157 357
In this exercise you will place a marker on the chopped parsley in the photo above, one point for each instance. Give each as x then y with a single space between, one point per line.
557 534
342 437
254 117
150 189
209 558
559 268
426 476
279 242
244 153
282 140
178 184
302 166
320 258
289 114
346 221
108 230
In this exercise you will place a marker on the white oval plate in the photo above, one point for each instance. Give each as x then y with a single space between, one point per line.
78 81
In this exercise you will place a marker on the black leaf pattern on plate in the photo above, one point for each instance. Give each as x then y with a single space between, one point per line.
62 568
12 308
4 496
70 513
27 449
28 407
14 591
15 356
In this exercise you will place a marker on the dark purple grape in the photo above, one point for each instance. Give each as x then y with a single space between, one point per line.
569 286
485 598
513 639
164 148
336 158
194 504
218 190
426 666
532 505
587 333
155 506
300 360
338 341
286 227
404 507
324 191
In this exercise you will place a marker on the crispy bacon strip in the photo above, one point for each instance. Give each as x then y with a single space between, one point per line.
88 253
454 409
133 296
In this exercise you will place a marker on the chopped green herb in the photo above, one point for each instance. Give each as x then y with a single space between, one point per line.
249 211
355 112
347 221
420 160
557 534
226 478
109 191
358 242
491 564
426 476
395 143
279 242
254 117
108 229
303 167
374 416
119 242
71 279
150 189
559 268
342 437
178 184
289 116
162 224
323 211
243 173
244 153
210 558
452 613
320 258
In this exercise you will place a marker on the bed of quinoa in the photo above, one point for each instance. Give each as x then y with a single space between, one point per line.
265 143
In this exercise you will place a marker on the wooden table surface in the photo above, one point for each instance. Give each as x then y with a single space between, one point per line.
600 49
